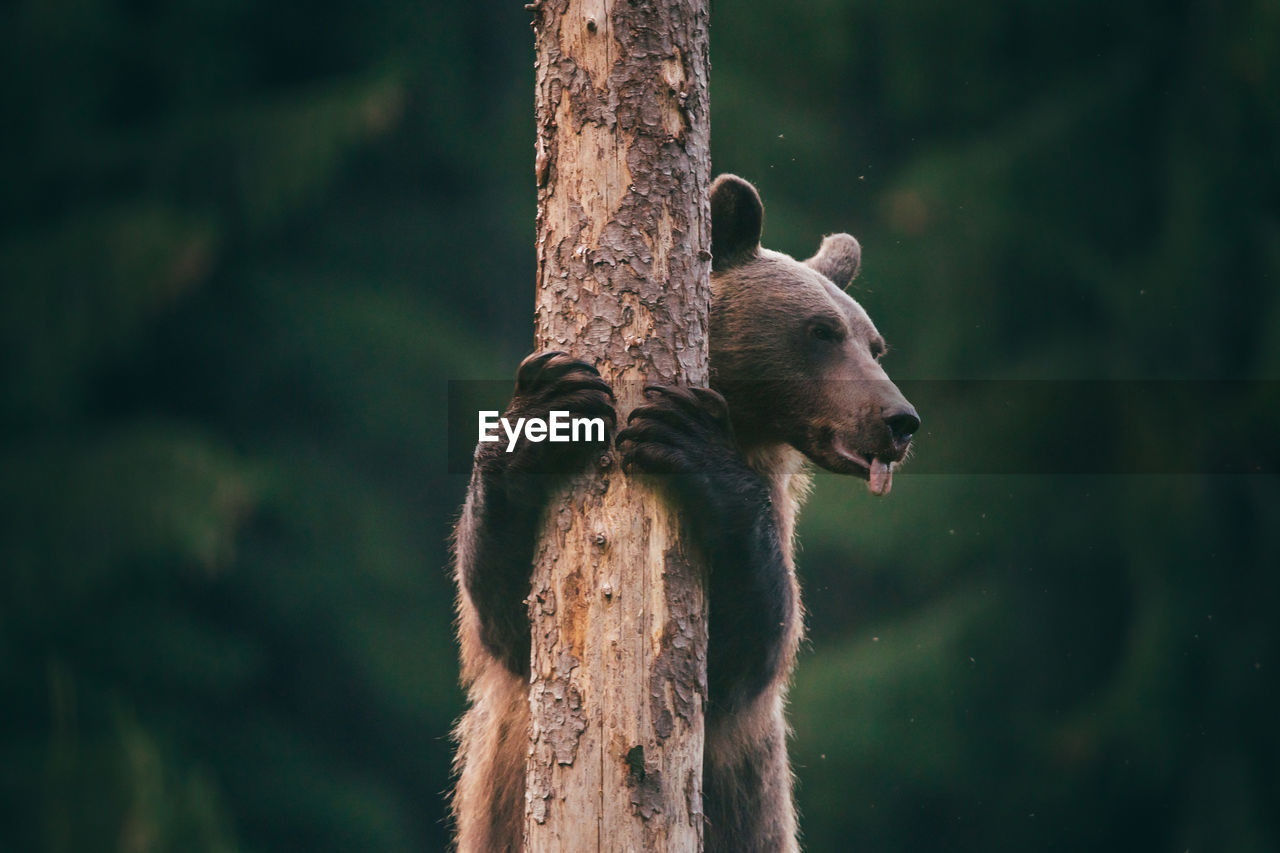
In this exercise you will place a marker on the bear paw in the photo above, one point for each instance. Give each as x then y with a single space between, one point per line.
687 432
550 382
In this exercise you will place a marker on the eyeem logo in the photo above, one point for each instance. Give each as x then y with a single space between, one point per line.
558 427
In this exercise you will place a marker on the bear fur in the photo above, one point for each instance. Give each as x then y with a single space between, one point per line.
796 379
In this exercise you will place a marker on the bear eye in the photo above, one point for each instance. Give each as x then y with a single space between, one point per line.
823 332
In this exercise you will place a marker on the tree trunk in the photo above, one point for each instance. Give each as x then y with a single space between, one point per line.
623 241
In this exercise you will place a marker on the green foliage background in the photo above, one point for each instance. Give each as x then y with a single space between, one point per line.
245 246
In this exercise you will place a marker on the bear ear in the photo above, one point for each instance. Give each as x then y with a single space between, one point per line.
838 259
737 219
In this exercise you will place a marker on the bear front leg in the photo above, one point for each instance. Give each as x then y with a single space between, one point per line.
497 532
686 433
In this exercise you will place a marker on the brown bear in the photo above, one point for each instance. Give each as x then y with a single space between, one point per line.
795 368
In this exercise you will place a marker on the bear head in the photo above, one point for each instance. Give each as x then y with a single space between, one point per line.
796 358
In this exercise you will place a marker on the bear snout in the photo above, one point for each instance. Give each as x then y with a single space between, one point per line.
903 422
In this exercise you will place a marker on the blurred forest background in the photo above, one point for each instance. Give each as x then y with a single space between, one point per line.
244 247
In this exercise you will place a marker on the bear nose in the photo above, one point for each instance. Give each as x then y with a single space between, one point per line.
902 422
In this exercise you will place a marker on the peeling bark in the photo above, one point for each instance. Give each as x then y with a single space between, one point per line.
623 242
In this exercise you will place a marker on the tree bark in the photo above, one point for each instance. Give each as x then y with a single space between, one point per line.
623 241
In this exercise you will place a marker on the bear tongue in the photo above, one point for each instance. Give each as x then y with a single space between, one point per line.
880 480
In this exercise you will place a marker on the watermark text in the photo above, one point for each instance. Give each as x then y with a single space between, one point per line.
559 426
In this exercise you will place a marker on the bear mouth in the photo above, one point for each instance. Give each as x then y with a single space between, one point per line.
877 471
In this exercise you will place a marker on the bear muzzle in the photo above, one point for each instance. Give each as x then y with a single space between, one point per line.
875 466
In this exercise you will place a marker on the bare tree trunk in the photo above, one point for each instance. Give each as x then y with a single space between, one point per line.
624 235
